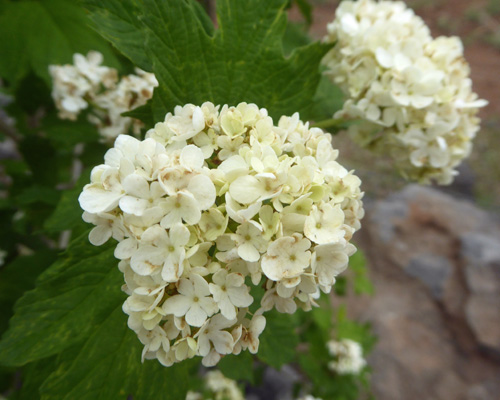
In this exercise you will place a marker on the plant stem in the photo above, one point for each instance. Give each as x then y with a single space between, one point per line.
328 123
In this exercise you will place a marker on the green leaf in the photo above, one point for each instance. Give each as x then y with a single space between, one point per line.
38 194
18 277
295 36
39 33
70 297
347 329
327 100
41 158
143 113
242 61
362 283
33 375
279 340
68 214
15 58
108 366
238 367
118 21
66 134
322 316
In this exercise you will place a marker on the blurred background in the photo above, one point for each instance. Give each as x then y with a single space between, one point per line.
434 252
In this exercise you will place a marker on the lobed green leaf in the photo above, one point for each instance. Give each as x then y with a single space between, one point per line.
70 298
36 34
279 340
118 21
108 366
238 367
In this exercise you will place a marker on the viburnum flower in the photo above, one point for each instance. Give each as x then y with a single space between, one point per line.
214 202
193 301
411 92
219 387
348 356
89 85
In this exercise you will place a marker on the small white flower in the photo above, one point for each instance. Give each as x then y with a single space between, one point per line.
186 122
222 387
153 340
272 299
229 291
213 334
165 253
193 301
251 332
349 356
286 257
324 225
329 260
249 241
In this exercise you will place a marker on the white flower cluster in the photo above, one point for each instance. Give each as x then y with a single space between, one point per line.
209 203
88 84
220 388
349 356
412 92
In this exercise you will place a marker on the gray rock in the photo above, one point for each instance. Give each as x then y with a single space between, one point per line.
483 316
481 254
387 214
432 270
436 309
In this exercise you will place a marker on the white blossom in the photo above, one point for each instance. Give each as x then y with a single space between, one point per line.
412 92
193 301
229 291
219 387
348 356
89 85
287 257
213 334
199 222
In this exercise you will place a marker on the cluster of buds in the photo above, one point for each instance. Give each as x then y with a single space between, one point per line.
348 357
216 201
411 92
89 85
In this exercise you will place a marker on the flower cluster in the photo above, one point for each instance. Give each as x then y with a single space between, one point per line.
219 387
348 356
89 84
212 202
412 92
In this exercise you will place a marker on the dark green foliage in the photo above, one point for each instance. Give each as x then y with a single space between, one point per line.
238 367
71 296
36 34
68 336
279 340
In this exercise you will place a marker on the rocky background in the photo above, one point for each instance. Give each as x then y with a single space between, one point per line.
434 253
435 264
